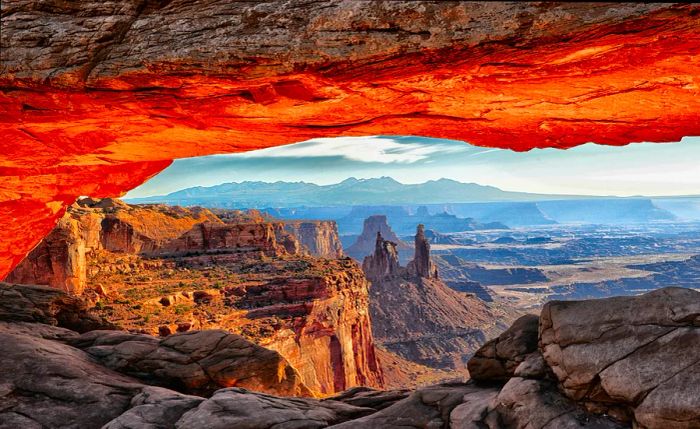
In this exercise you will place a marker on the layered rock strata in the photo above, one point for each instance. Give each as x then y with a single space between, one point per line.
162 270
319 237
415 315
159 81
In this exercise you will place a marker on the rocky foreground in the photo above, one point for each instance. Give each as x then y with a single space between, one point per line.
612 363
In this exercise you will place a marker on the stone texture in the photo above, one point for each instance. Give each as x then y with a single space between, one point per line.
99 96
49 384
428 407
628 353
319 238
537 404
239 408
154 408
497 359
198 362
42 304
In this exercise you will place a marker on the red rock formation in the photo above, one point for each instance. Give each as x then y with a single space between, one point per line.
416 316
422 266
319 237
384 262
367 241
142 263
329 340
98 115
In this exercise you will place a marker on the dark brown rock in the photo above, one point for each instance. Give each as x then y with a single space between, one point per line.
239 408
635 356
497 359
46 384
194 362
42 304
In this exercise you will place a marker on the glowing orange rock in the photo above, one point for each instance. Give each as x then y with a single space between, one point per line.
99 115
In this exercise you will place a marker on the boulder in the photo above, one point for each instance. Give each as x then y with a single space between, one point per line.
47 384
240 408
46 305
154 408
635 357
497 359
428 407
198 362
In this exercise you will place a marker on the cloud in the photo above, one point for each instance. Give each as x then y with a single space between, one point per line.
372 149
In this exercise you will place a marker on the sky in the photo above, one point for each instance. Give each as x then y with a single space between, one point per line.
590 169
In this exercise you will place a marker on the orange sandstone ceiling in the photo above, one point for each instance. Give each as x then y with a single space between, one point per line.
98 96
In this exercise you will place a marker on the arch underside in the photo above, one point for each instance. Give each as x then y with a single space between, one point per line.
97 98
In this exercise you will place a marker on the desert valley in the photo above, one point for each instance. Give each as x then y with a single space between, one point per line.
307 214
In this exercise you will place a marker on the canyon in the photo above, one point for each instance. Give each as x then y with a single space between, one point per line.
163 270
418 317
99 115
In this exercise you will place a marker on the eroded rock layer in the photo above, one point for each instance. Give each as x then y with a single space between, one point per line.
98 96
160 270
55 377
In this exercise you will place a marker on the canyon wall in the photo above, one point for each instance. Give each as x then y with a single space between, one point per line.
319 237
161 270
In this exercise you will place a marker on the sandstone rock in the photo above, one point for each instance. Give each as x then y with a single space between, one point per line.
384 262
366 397
320 237
41 304
325 332
632 355
367 241
154 408
421 265
49 384
497 359
538 404
429 407
38 330
470 414
195 362
239 408
273 75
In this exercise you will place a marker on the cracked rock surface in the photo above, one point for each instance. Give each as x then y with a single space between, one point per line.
194 362
627 362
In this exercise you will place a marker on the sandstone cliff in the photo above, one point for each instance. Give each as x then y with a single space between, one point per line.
161 270
365 243
319 237
415 315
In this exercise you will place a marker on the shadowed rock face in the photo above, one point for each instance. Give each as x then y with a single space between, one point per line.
48 381
198 362
631 356
157 81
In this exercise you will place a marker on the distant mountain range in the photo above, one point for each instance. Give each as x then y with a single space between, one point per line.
349 192
449 205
